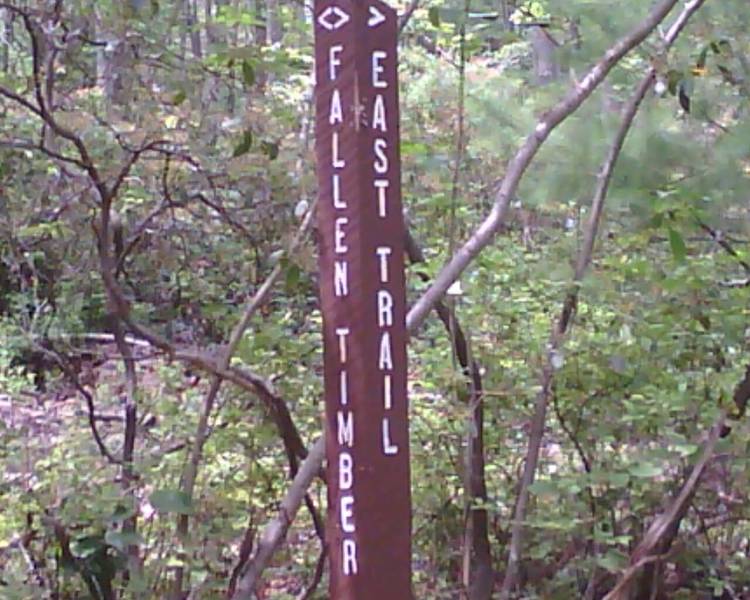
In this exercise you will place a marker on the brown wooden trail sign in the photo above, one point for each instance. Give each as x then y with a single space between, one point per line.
363 300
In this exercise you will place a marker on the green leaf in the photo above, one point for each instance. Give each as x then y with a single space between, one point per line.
684 92
414 148
433 14
544 487
613 561
645 470
248 73
179 98
244 145
718 586
673 80
725 47
619 480
87 545
137 585
701 62
684 98
292 278
677 244
686 449
560 524
121 540
270 149
121 513
172 501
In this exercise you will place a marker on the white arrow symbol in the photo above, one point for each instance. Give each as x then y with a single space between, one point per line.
325 18
376 17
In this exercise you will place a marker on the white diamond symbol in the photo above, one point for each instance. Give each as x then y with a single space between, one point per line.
326 18
376 17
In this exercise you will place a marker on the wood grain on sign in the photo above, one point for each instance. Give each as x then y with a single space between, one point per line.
363 302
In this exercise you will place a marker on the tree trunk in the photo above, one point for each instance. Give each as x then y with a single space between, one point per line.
6 41
115 69
275 32
506 9
191 21
260 35
546 66
480 572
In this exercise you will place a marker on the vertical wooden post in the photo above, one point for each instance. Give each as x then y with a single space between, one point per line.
362 291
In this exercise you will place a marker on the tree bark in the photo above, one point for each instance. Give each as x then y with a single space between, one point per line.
546 65
7 20
191 21
275 33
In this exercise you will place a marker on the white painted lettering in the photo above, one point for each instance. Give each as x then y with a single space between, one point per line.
382 185
347 513
385 358
387 393
388 448
337 201
337 162
349 557
343 388
345 428
381 160
383 253
385 308
378 68
378 114
346 471
341 278
342 332
376 17
336 113
339 235
334 60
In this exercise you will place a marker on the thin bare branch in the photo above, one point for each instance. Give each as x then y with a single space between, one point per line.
561 326
128 449
485 233
644 552
293 443
26 145
87 396
406 16
725 244
276 529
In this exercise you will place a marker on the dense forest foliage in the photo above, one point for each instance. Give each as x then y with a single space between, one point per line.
575 180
